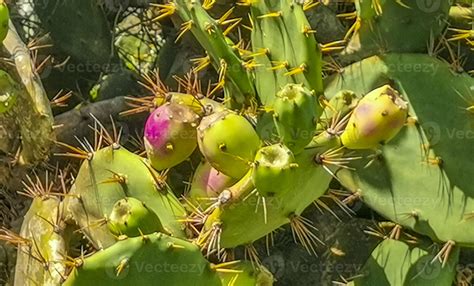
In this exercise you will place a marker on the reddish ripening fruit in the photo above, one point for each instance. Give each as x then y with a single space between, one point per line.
377 118
170 135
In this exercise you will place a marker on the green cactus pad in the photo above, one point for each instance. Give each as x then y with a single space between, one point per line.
295 112
395 262
423 176
396 26
111 175
210 36
132 217
286 48
154 259
228 142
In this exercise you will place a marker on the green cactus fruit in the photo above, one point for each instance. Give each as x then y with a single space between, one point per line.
132 217
295 115
395 262
228 142
170 135
4 18
208 183
155 259
110 175
246 274
377 118
273 168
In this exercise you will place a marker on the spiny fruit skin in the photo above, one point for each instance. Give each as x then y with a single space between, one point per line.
132 217
273 168
170 135
296 116
208 183
228 142
4 18
377 118
154 259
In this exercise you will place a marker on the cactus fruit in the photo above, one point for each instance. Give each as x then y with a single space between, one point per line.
110 175
295 112
132 217
208 183
396 262
273 169
170 135
4 18
150 259
376 119
228 142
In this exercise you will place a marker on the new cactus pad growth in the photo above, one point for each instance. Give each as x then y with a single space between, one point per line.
170 135
132 217
228 142
295 112
376 119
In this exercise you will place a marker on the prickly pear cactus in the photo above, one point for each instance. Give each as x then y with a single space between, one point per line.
173 262
423 174
395 262
110 175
